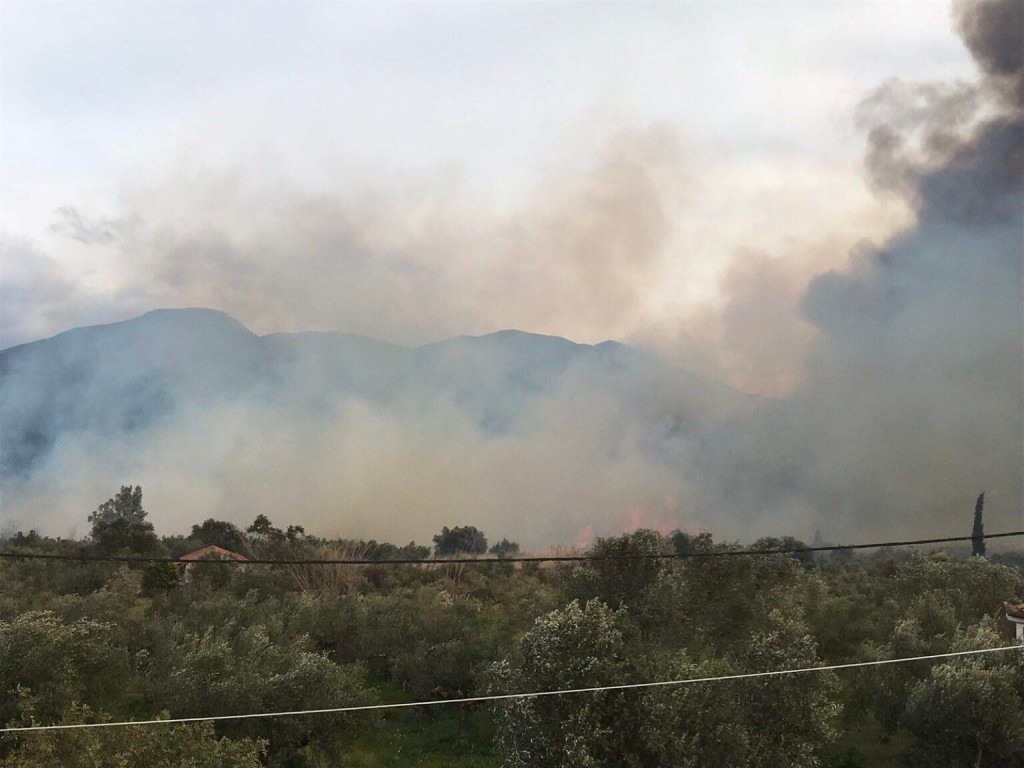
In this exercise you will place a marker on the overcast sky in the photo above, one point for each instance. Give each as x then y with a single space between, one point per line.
414 171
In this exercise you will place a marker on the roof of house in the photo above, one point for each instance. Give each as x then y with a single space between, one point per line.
1014 611
212 551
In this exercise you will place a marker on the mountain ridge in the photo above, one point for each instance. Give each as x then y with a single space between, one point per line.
209 313
110 382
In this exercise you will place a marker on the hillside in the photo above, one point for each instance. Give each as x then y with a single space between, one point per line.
106 381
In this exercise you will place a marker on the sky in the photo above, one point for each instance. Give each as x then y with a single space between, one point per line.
429 157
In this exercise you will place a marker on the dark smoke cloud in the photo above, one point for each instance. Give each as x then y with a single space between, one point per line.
911 398
993 32
915 386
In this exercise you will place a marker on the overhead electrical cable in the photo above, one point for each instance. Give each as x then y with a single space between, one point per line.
85 558
508 696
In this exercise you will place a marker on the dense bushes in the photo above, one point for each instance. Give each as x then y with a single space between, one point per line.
46 663
163 746
756 723
101 641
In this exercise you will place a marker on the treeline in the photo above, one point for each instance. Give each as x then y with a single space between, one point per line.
99 641
120 527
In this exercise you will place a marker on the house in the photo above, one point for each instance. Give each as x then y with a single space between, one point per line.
1015 613
211 552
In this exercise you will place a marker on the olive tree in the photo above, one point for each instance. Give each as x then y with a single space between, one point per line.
970 710
788 718
756 723
50 662
576 646
234 669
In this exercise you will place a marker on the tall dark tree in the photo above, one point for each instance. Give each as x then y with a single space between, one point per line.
218 532
978 534
262 526
120 523
462 539
505 548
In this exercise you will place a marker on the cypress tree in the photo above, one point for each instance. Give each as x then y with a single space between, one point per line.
977 535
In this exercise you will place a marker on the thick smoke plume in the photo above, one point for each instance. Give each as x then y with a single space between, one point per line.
914 392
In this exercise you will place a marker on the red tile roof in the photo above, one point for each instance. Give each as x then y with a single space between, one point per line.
212 551
1014 610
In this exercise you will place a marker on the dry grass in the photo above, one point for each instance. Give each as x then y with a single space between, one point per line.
559 551
346 578
341 578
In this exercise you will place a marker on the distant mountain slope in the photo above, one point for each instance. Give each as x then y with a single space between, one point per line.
108 380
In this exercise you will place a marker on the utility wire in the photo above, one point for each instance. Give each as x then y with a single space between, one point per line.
507 696
522 559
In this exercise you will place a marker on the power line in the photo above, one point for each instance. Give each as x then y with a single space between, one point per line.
507 696
522 559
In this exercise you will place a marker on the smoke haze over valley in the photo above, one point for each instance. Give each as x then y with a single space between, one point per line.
840 350
531 434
